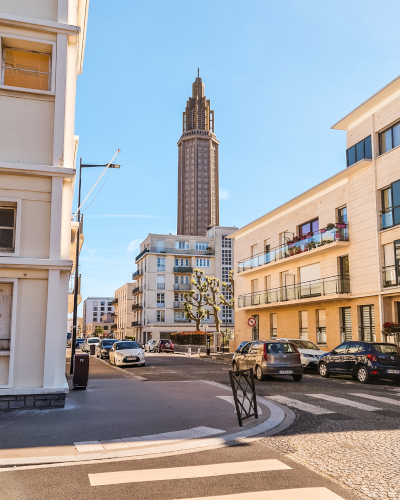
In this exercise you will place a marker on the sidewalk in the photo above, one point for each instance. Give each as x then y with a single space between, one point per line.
118 407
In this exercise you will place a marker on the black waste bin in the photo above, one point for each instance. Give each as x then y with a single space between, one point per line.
81 371
92 349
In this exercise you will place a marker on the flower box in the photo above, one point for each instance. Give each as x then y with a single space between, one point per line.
341 226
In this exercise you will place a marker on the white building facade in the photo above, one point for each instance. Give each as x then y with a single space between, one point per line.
42 45
164 271
124 315
94 308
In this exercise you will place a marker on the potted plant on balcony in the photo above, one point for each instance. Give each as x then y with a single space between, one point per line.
311 245
208 249
341 225
330 226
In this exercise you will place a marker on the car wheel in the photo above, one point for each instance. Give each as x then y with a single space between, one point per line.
297 378
323 370
363 375
259 373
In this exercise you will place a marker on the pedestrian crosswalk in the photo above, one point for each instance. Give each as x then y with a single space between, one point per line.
339 402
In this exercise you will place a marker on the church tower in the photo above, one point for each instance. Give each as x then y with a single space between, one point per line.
198 190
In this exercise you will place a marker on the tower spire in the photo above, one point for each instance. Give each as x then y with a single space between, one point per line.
198 72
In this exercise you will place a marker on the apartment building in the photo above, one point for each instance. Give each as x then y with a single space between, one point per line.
42 46
105 323
164 271
94 308
124 307
325 265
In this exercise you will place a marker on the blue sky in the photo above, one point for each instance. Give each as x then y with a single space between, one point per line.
278 74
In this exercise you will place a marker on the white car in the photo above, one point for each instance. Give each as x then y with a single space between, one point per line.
127 353
88 342
149 346
309 352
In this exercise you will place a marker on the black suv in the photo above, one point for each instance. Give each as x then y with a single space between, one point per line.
104 347
365 361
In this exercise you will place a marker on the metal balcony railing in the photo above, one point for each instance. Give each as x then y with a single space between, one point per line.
174 251
161 268
391 276
136 323
136 307
114 326
137 273
305 244
307 290
182 286
183 270
72 284
160 286
178 305
321 335
138 289
182 320
160 304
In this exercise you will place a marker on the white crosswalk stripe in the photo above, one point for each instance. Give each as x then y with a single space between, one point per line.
377 398
173 473
294 403
290 494
345 402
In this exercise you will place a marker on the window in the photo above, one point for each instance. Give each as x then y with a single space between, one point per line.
203 262
181 262
255 331
160 316
253 250
102 303
202 245
160 299
367 328
303 320
274 325
254 347
182 245
26 69
176 297
176 279
391 205
321 326
160 263
105 327
7 229
101 308
226 242
109 308
254 286
95 308
226 257
359 151
309 227
267 283
389 138
342 215
95 303
346 332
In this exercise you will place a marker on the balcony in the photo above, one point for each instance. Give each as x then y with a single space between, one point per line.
391 276
182 320
182 286
137 307
136 323
178 305
137 274
390 217
183 270
160 286
174 251
160 304
161 268
114 326
138 289
311 289
113 315
319 240
115 301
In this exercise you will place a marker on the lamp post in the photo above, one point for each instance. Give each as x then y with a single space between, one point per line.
75 314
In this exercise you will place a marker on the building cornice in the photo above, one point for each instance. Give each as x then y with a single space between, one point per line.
36 170
32 24
32 263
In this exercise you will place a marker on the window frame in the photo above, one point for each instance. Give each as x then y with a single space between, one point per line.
364 157
15 203
391 127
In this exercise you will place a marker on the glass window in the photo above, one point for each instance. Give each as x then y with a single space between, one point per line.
342 348
102 303
161 316
396 135
182 245
26 69
359 151
385 141
309 227
280 348
126 345
254 347
387 348
95 308
342 215
202 245
351 156
304 344
7 228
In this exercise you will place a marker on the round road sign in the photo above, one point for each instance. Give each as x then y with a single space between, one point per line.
252 322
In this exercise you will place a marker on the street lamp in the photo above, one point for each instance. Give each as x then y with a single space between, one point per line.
78 213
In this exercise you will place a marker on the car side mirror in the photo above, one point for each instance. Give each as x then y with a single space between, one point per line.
333 352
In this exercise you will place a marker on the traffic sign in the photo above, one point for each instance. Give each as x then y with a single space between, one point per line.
252 322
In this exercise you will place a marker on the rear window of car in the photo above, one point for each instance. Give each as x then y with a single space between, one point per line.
387 348
108 343
93 341
127 345
165 341
279 348
304 344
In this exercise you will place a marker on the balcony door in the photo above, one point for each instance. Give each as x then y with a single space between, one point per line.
367 329
310 281
391 274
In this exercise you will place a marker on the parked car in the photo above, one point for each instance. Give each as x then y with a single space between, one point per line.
269 357
309 352
126 353
241 345
79 342
164 345
364 361
104 347
88 342
149 346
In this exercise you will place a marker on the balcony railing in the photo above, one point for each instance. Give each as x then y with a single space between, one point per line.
321 335
182 286
160 286
138 289
113 315
136 323
114 326
72 284
5 344
174 251
161 268
178 305
390 217
136 307
138 273
307 290
115 301
391 276
306 244
183 270
182 320
160 304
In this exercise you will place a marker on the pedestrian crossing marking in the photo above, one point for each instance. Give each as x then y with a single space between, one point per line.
246 403
294 403
377 398
173 473
345 402
290 494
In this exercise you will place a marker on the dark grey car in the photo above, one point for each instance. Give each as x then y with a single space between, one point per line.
269 357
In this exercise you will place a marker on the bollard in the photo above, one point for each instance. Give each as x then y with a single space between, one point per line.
198 351
190 351
208 345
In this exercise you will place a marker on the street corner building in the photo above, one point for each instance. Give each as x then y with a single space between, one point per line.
198 190
42 45
325 266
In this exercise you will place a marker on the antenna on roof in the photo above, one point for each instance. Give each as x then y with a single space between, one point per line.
198 72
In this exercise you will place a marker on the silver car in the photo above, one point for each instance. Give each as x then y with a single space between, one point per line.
149 346
309 352
269 357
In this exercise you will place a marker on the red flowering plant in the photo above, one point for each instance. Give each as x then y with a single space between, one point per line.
388 327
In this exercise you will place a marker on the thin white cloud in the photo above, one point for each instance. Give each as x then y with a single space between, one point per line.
133 245
123 215
223 194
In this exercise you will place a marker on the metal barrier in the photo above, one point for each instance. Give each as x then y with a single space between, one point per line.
244 394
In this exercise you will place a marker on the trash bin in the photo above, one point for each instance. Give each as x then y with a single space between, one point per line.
81 371
92 349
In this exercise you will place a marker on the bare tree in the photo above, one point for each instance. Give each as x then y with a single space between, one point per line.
213 298
196 299
230 288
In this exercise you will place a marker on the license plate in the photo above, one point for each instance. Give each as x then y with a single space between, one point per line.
393 371
285 372
132 358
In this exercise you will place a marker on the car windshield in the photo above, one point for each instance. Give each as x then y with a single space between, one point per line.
279 348
127 345
387 348
304 344
93 341
108 343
